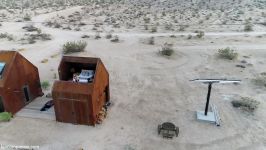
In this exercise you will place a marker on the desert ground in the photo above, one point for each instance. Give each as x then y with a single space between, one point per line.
147 88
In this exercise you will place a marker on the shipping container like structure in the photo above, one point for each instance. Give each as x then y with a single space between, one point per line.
19 82
81 91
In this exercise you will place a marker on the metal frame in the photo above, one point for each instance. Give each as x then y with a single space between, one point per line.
211 116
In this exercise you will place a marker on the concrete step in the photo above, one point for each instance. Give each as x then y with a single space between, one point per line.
33 113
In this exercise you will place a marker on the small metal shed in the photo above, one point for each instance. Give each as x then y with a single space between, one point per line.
81 91
19 82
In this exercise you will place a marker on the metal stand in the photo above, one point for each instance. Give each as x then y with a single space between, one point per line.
212 116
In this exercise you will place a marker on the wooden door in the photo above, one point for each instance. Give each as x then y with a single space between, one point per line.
81 112
66 111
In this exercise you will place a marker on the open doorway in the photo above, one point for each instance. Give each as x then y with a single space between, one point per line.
2 108
26 93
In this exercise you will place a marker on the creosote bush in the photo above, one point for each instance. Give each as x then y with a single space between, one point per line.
246 104
72 47
167 50
227 53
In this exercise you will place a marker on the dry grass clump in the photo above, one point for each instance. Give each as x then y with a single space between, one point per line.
200 34
167 50
108 36
9 37
115 39
260 80
154 29
151 41
72 47
44 60
248 26
246 103
85 36
189 37
30 28
27 17
227 53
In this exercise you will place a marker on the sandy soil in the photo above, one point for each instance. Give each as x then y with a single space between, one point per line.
148 89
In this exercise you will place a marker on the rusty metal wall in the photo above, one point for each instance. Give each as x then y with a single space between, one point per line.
80 103
19 73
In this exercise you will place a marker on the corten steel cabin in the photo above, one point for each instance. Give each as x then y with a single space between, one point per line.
19 82
81 91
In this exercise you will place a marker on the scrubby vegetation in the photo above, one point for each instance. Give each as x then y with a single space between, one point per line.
9 37
72 47
27 17
151 41
200 34
227 53
115 39
5 116
108 36
45 85
260 80
248 26
246 104
167 50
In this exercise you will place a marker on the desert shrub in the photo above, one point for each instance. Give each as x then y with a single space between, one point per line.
115 39
45 85
108 36
27 17
72 47
227 53
167 50
189 36
168 26
146 27
246 104
97 36
5 116
147 20
57 25
151 41
248 27
31 40
85 36
44 60
30 28
9 37
260 80
44 36
200 34
154 29
182 28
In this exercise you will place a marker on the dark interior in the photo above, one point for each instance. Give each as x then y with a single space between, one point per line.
26 93
69 68
2 109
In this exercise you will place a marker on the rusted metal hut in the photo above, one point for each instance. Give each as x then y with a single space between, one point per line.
81 91
19 82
